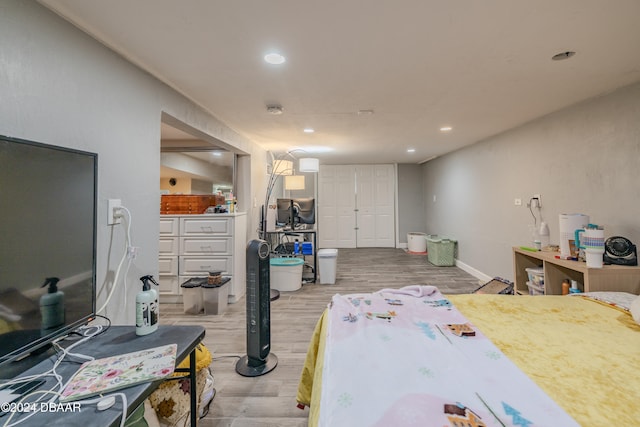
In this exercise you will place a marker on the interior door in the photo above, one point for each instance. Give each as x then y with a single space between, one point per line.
336 207
375 187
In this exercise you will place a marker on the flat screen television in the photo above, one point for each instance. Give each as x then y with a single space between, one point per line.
48 198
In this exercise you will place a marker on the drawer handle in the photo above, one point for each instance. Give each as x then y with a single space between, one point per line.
208 247
206 267
207 229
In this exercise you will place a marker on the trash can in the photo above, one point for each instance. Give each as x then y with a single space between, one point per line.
417 242
215 297
285 274
192 295
441 250
327 266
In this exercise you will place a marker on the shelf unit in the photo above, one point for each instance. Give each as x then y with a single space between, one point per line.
609 278
274 238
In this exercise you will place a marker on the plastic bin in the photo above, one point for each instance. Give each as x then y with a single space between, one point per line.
215 298
327 266
417 242
286 273
441 250
535 289
192 295
536 275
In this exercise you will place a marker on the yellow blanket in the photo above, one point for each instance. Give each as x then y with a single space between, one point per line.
583 354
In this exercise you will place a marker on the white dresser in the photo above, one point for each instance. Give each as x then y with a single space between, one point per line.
194 245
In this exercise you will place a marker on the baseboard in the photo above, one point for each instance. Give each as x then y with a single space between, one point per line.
472 271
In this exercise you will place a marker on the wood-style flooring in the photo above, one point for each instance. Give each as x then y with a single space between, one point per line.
270 400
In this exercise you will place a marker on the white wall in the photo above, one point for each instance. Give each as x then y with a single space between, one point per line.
61 87
583 159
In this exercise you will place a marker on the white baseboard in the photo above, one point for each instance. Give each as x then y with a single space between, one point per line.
472 271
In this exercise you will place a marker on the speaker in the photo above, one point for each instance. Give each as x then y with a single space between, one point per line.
258 360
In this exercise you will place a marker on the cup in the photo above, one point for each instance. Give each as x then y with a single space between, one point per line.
594 258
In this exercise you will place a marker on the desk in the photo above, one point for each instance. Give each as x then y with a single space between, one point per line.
274 239
117 340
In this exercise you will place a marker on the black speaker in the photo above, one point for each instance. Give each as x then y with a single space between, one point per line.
258 360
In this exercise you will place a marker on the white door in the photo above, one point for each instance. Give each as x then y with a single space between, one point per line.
336 205
384 192
365 207
375 205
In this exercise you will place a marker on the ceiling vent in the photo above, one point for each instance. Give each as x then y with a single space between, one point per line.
276 110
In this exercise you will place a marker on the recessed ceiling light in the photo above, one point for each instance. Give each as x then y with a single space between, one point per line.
308 130
411 150
446 129
563 55
274 58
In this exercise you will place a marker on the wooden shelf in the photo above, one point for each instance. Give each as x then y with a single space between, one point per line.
609 278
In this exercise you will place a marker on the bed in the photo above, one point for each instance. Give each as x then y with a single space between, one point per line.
416 357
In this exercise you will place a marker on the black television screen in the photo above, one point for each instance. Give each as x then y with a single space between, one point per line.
47 254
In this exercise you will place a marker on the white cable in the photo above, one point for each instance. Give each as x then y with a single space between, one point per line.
124 257
51 372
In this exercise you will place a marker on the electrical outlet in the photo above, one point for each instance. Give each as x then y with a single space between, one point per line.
517 202
537 196
113 214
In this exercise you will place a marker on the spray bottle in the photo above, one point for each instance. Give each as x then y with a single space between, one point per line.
52 306
147 307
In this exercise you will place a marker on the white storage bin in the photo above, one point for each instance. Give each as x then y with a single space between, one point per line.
215 298
286 273
192 295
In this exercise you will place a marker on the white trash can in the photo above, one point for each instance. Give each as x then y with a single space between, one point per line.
285 274
417 242
327 266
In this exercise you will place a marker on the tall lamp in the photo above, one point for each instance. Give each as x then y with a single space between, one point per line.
283 165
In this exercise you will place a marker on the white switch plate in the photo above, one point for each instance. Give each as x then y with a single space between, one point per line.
517 202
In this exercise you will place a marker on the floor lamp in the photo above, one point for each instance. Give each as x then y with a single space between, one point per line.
283 165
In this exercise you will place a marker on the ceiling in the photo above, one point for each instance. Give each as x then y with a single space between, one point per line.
479 66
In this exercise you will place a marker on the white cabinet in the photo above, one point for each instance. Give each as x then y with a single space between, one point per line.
194 245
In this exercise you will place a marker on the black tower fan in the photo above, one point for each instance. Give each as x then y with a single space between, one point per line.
258 361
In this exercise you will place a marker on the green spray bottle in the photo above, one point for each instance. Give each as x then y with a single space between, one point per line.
147 307
51 306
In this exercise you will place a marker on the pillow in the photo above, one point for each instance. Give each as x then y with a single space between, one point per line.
635 309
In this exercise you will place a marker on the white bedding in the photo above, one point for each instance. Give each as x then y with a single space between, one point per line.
412 359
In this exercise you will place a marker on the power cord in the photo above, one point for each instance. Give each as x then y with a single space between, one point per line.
129 253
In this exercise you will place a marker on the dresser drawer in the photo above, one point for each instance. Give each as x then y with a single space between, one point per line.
169 285
168 265
194 265
169 226
203 226
206 246
168 246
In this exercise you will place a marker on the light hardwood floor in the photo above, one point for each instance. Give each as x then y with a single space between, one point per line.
270 400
